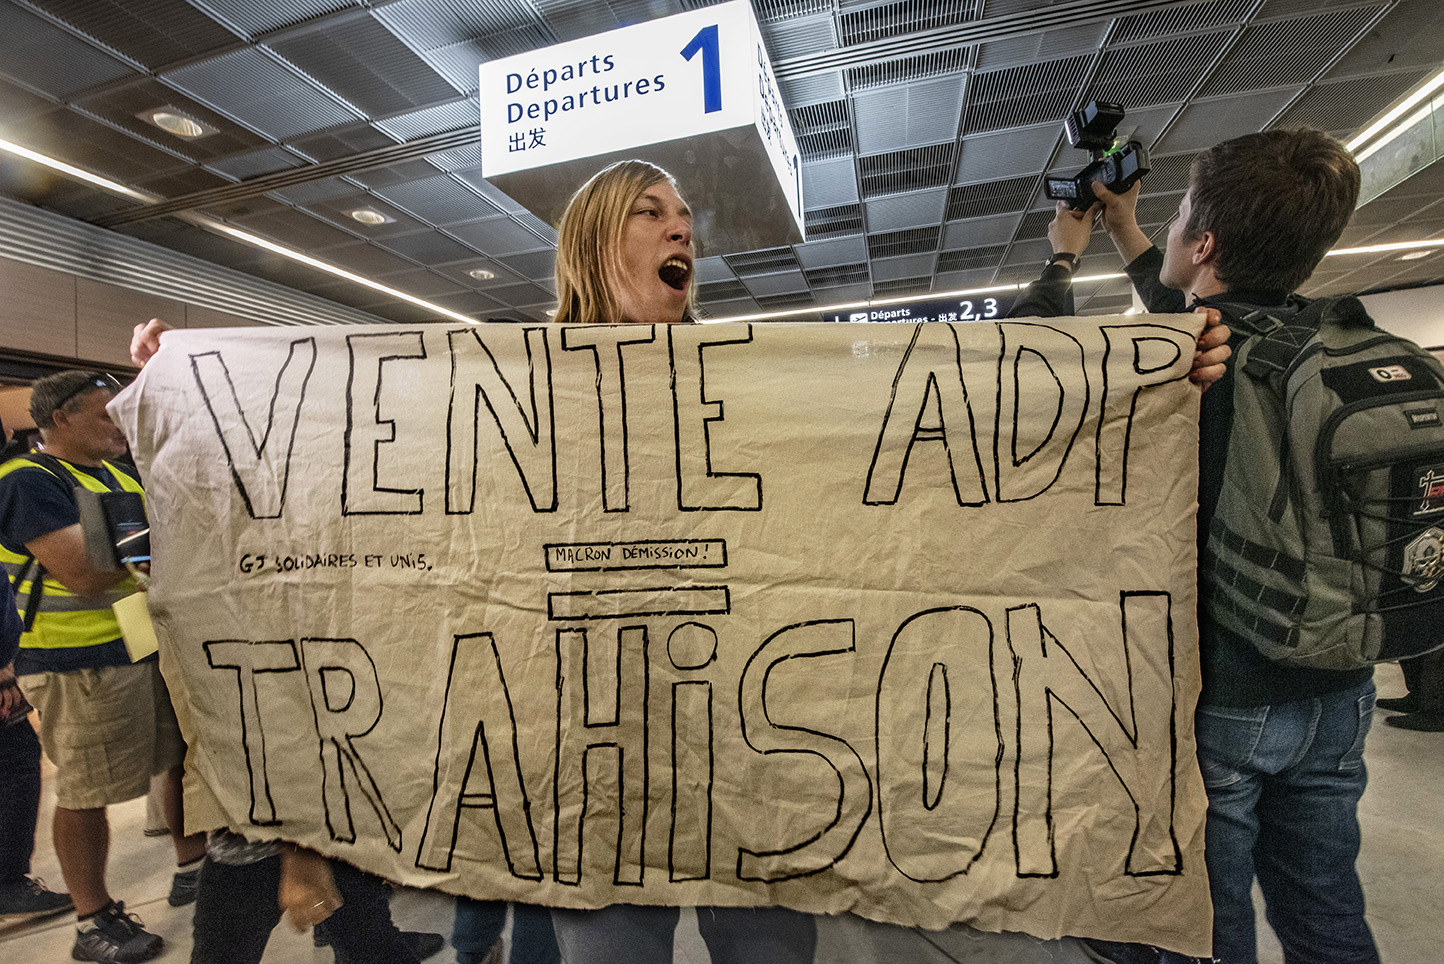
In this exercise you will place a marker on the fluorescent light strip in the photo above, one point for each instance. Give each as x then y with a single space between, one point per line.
905 299
76 172
1404 107
1417 117
260 242
1395 246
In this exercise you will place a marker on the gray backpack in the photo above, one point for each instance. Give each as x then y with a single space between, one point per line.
1327 547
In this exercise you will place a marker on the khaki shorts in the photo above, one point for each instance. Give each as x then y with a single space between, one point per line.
107 730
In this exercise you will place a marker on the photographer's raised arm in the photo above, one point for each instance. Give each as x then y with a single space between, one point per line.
1141 259
1120 220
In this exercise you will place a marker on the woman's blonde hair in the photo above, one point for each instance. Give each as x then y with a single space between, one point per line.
590 238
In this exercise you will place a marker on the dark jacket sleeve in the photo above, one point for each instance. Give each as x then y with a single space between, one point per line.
1157 297
1048 297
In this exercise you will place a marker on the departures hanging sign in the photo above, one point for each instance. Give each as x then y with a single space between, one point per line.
895 620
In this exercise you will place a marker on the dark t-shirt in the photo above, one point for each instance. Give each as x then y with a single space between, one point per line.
1235 673
34 503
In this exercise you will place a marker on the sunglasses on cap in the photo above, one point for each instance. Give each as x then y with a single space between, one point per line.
96 380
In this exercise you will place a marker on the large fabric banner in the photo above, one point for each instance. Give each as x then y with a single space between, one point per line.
889 619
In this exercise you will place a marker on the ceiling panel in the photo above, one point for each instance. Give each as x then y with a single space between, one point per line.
262 92
366 65
44 57
153 33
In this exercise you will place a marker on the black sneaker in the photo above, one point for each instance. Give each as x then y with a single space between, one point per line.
30 900
183 887
112 935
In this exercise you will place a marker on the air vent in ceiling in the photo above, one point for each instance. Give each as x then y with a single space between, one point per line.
769 10
1312 42
902 286
910 170
1181 19
834 222
908 69
970 258
993 197
904 17
722 291
1158 73
800 299
765 261
1019 96
834 275
911 241
822 130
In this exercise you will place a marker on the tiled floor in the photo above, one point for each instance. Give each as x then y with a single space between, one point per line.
1401 864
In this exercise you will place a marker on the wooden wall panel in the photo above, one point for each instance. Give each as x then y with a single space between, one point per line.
105 315
37 309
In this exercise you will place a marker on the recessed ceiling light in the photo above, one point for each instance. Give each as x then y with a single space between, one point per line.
481 274
176 122
369 216
1415 255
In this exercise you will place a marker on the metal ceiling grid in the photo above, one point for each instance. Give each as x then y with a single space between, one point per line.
256 18
800 36
45 58
912 210
538 266
336 144
1156 73
910 170
266 94
366 65
1312 42
921 113
440 200
1024 95
905 70
423 283
1181 19
903 17
833 222
152 33
434 119
777 283
428 247
496 237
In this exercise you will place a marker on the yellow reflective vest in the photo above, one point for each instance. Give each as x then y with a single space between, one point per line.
65 620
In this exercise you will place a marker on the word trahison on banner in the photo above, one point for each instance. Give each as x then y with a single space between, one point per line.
693 93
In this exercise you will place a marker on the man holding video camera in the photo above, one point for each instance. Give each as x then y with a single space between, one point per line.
106 723
1280 747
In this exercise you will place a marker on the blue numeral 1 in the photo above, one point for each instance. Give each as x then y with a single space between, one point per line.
706 41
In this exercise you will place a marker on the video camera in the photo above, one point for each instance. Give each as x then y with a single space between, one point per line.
1094 129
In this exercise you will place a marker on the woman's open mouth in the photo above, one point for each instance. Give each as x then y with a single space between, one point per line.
675 273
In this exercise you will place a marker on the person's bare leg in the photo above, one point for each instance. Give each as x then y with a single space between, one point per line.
82 845
188 848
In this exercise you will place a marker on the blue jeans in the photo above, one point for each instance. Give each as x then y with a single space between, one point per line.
479 924
1284 783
